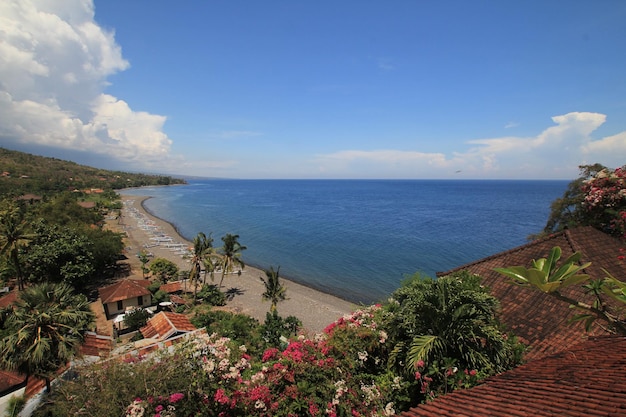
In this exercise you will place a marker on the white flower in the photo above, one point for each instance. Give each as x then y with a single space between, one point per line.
389 411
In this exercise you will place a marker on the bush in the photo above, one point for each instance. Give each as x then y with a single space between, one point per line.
136 319
212 295
276 328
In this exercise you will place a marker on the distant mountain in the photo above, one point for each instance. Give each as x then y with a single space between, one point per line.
22 173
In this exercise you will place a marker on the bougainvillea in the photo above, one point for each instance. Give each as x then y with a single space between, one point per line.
605 200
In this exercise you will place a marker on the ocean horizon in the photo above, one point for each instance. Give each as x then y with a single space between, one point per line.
358 239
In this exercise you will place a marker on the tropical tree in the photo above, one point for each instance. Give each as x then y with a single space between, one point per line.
231 255
13 238
547 276
202 248
451 321
163 269
45 330
597 198
275 291
144 259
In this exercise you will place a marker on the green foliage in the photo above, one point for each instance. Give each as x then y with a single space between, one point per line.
136 318
231 255
14 237
212 295
154 286
160 296
546 276
597 198
47 176
452 318
275 291
15 405
62 209
46 330
276 328
241 328
164 269
60 254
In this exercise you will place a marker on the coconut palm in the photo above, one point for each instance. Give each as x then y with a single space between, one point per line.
275 291
46 330
202 247
231 254
13 238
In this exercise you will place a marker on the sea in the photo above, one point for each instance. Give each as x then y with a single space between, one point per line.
358 239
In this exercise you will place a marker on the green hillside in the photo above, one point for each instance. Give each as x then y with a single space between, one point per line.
22 173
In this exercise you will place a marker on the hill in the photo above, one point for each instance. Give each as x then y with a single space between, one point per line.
22 173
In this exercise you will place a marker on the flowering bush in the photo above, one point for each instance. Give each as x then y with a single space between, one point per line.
341 372
605 200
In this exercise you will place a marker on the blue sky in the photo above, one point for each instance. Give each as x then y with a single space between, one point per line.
317 89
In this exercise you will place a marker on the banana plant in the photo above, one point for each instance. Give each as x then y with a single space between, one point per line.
546 275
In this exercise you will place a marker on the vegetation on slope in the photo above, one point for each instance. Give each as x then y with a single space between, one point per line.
22 173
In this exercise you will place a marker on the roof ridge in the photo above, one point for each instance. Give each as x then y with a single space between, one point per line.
507 252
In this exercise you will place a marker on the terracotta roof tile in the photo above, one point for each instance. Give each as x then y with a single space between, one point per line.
96 345
166 324
123 290
171 287
8 299
537 319
10 380
584 380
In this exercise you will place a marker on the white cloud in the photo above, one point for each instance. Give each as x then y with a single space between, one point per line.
557 150
54 64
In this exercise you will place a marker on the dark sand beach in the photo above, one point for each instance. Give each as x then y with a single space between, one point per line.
314 308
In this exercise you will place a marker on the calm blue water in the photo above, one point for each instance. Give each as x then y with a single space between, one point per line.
358 239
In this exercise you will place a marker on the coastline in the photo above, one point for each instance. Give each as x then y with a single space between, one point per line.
314 308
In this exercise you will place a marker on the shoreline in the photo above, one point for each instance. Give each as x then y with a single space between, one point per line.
316 309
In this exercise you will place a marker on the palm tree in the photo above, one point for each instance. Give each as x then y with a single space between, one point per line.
274 290
452 317
46 330
202 247
13 238
231 254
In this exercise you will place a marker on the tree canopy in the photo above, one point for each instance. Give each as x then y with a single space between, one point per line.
45 330
597 198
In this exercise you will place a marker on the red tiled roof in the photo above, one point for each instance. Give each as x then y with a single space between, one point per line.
8 299
585 380
9 380
95 344
123 290
166 324
171 287
537 319
177 299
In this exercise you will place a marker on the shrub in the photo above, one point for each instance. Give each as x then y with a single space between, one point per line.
212 295
136 319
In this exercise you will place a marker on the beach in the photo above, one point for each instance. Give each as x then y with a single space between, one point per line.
314 308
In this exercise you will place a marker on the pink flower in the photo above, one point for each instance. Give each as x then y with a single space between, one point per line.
418 375
158 408
221 397
269 354
176 397
419 364
473 372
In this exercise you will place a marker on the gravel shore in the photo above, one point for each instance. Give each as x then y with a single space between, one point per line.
315 309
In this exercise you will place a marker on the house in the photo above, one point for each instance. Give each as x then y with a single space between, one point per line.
538 320
125 294
166 325
583 380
